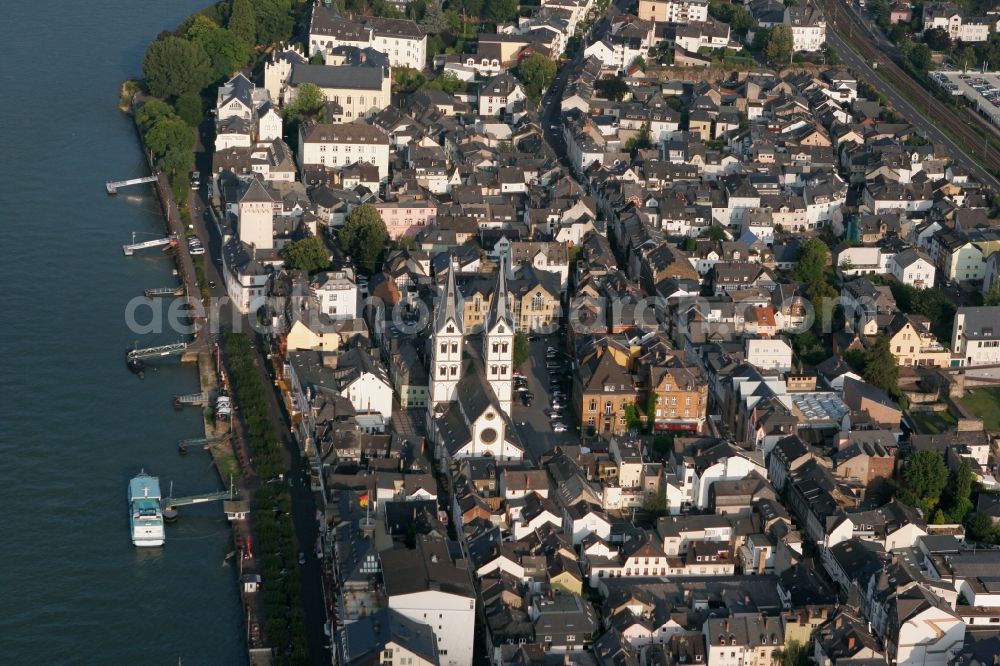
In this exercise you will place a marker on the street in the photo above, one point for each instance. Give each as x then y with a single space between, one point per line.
531 423
303 502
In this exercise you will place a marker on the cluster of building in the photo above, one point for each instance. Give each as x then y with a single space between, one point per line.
654 261
953 20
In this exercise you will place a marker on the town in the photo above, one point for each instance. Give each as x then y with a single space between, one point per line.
623 334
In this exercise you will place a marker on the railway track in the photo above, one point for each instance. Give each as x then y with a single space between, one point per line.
936 112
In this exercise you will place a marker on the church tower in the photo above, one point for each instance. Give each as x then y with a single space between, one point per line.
446 341
498 343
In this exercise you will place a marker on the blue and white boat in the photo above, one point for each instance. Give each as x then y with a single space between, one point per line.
145 512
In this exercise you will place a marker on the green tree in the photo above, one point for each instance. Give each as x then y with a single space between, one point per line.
170 133
982 529
961 493
363 236
152 112
406 80
447 82
225 50
779 44
177 163
633 419
243 22
924 478
274 21
189 108
716 232
937 39
993 295
656 505
613 88
643 141
813 258
919 56
521 351
881 367
502 11
434 21
536 72
760 39
308 103
308 254
173 66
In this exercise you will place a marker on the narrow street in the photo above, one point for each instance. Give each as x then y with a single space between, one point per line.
303 502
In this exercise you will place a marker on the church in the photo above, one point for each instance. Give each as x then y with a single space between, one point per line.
471 383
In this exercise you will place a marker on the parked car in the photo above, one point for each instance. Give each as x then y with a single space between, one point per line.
558 427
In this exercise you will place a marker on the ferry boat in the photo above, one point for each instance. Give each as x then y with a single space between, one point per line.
145 513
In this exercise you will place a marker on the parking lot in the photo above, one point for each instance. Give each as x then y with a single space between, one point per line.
982 90
532 423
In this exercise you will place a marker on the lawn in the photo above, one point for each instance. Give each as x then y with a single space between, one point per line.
985 403
931 423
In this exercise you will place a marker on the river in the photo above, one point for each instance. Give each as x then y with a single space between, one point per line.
75 425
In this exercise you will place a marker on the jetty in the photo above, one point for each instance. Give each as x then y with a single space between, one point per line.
203 442
130 248
113 186
163 291
142 353
190 399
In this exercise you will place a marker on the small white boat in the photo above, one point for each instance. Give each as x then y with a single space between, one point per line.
145 512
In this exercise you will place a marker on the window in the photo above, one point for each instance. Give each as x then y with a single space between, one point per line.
444 348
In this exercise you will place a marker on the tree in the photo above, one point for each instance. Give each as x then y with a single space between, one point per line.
274 21
982 529
170 133
831 55
924 478
521 351
434 21
813 258
779 44
308 254
447 82
308 103
502 11
639 62
406 80
656 505
243 22
189 109
364 235
613 88
536 72
937 39
961 493
173 66
881 367
642 141
715 232
633 419
225 50
152 112
993 295
919 56
760 38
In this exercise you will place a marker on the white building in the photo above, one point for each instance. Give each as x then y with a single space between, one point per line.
256 217
402 41
365 383
912 267
769 354
427 587
336 146
976 336
808 27
336 294
499 94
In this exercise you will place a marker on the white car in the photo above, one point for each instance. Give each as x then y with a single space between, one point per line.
197 250
558 427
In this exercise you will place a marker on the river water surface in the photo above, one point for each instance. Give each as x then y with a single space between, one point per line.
75 425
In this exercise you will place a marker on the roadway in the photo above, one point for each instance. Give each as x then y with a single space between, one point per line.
303 501
531 423
920 117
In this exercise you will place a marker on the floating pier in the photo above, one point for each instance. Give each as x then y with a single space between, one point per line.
113 186
197 399
203 442
130 248
140 353
164 291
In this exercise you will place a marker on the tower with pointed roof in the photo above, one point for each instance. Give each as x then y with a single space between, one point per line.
256 216
498 343
447 340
